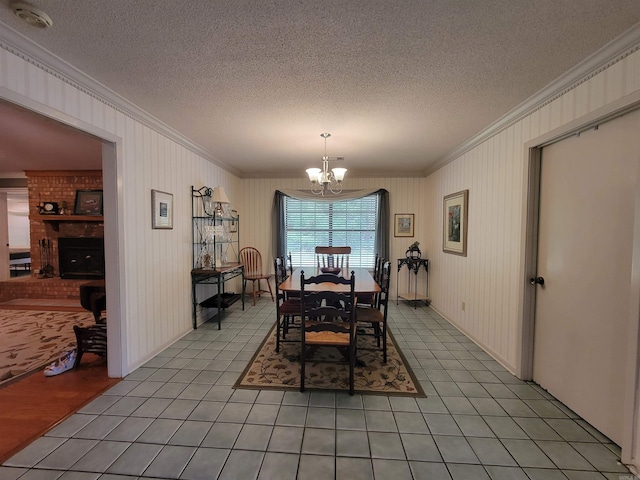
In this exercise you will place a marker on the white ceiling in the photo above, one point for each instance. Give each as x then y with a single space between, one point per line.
398 84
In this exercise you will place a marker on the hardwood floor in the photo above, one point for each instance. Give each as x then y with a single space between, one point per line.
34 404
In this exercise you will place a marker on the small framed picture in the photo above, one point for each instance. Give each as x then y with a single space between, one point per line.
161 209
455 223
88 202
233 225
403 225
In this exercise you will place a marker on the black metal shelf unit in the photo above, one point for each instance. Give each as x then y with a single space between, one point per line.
215 245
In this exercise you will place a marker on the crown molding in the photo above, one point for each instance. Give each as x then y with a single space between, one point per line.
613 52
26 49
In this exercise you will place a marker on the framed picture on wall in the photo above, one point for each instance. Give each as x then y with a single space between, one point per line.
455 223
403 225
161 209
88 202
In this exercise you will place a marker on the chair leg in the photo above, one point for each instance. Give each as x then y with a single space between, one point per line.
254 291
376 329
79 350
302 360
384 342
352 366
278 318
270 291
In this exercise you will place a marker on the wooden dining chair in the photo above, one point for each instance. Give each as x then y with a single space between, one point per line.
372 319
289 264
287 309
377 268
337 257
290 269
371 299
91 339
252 262
328 320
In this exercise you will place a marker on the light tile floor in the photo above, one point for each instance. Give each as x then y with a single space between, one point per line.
178 417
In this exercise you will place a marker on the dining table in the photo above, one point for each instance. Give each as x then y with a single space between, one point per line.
364 284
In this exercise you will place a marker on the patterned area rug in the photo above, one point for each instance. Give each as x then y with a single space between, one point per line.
281 371
32 339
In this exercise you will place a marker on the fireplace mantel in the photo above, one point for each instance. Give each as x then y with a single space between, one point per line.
55 220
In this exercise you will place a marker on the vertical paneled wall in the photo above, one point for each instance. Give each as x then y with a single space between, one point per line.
155 264
488 280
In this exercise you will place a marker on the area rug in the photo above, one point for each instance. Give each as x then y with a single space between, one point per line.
31 339
281 371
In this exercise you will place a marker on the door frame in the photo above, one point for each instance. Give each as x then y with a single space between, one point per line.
531 199
112 169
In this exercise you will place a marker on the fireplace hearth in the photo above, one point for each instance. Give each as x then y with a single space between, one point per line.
81 257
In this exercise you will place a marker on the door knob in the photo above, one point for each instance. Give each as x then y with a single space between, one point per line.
536 280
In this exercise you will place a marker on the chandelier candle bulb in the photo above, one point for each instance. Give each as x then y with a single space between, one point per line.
315 174
338 173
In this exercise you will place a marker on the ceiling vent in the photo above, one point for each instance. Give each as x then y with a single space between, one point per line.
32 15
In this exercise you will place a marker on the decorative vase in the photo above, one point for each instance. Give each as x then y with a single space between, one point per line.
206 257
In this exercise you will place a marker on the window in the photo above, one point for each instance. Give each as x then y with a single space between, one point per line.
350 222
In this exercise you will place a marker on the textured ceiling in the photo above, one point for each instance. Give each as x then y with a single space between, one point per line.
398 84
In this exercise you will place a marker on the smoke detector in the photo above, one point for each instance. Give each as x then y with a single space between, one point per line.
32 15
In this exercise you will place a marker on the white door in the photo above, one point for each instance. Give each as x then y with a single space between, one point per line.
585 241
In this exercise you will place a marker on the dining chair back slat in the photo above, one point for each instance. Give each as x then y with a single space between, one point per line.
328 319
337 257
290 264
377 268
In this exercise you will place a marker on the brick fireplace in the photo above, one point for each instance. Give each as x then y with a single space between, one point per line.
58 186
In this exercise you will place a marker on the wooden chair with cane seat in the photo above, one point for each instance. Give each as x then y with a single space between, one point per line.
375 316
286 308
337 257
252 260
328 320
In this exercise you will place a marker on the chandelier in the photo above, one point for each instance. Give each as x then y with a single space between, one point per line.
325 181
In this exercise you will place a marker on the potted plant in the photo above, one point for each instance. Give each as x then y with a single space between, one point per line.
414 250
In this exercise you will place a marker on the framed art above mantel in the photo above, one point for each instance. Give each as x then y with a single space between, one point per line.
88 202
